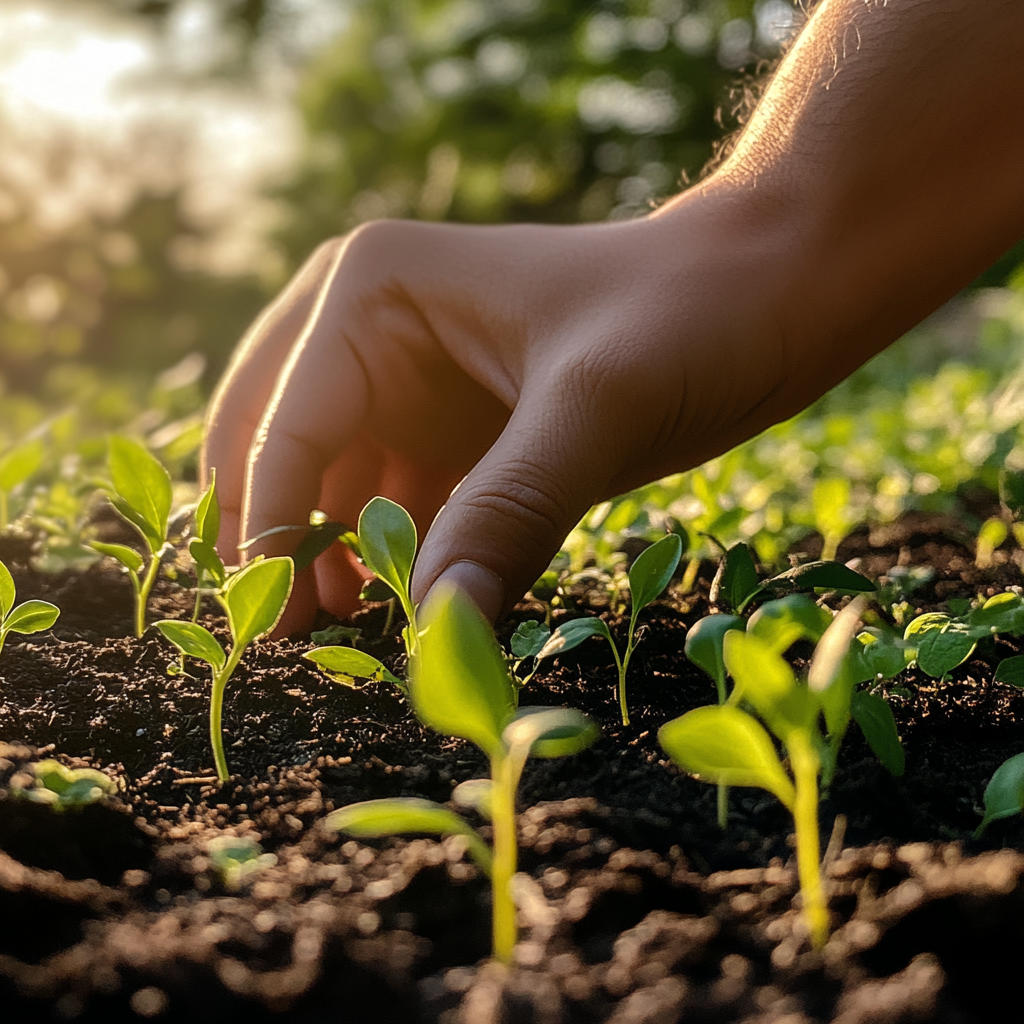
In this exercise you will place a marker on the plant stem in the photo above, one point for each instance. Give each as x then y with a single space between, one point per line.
805 766
220 680
723 805
142 596
505 772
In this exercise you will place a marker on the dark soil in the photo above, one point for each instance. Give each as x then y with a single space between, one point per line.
635 907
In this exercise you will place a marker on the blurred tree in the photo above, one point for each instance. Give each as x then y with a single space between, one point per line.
512 110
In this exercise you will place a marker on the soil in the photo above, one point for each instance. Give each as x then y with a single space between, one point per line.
635 907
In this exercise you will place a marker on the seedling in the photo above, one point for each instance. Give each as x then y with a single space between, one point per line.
142 496
648 577
27 617
461 686
210 570
16 466
254 598
63 788
237 858
726 745
386 542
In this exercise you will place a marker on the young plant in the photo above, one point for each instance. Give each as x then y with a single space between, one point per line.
142 496
386 542
648 577
27 617
1004 795
727 745
16 466
460 686
254 599
210 571
63 788
236 859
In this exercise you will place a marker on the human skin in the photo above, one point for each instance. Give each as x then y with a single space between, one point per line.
549 368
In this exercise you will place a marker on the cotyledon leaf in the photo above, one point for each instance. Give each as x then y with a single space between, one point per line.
255 597
194 640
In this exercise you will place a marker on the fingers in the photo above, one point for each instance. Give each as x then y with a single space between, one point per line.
503 524
243 393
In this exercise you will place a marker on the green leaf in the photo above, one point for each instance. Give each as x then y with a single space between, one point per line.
7 591
19 463
345 664
782 622
739 576
194 640
874 716
879 655
31 617
723 744
128 557
205 556
529 638
1004 795
704 646
1002 613
766 681
1010 670
571 634
460 684
142 483
1011 491
387 539
475 794
550 732
319 538
928 623
207 518
649 575
941 652
822 576
374 819
335 635
255 597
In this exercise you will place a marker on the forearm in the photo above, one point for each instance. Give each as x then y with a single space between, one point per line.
887 157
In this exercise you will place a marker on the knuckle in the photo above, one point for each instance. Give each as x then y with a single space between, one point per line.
526 503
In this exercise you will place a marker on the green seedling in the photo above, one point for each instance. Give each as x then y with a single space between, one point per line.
725 744
648 577
833 514
236 859
526 643
738 585
210 570
27 617
704 647
386 542
64 788
460 686
17 465
142 495
254 599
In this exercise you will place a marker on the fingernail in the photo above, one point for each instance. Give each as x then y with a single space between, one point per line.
480 583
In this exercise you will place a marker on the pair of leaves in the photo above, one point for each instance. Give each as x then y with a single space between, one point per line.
739 584
254 599
142 490
27 617
460 686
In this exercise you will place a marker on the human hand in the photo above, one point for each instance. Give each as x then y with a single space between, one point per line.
547 368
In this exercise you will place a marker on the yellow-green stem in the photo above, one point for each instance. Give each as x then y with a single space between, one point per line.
142 596
220 680
723 805
505 776
805 764
690 576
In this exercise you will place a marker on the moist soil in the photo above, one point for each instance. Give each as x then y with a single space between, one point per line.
635 908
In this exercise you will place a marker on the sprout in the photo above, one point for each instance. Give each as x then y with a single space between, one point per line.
142 496
63 788
648 577
27 617
237 858
461 686
254 598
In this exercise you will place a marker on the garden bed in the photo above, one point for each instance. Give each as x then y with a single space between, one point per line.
636 907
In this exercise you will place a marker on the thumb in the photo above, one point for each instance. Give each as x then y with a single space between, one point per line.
503 524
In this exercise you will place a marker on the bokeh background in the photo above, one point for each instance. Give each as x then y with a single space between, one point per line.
165 165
